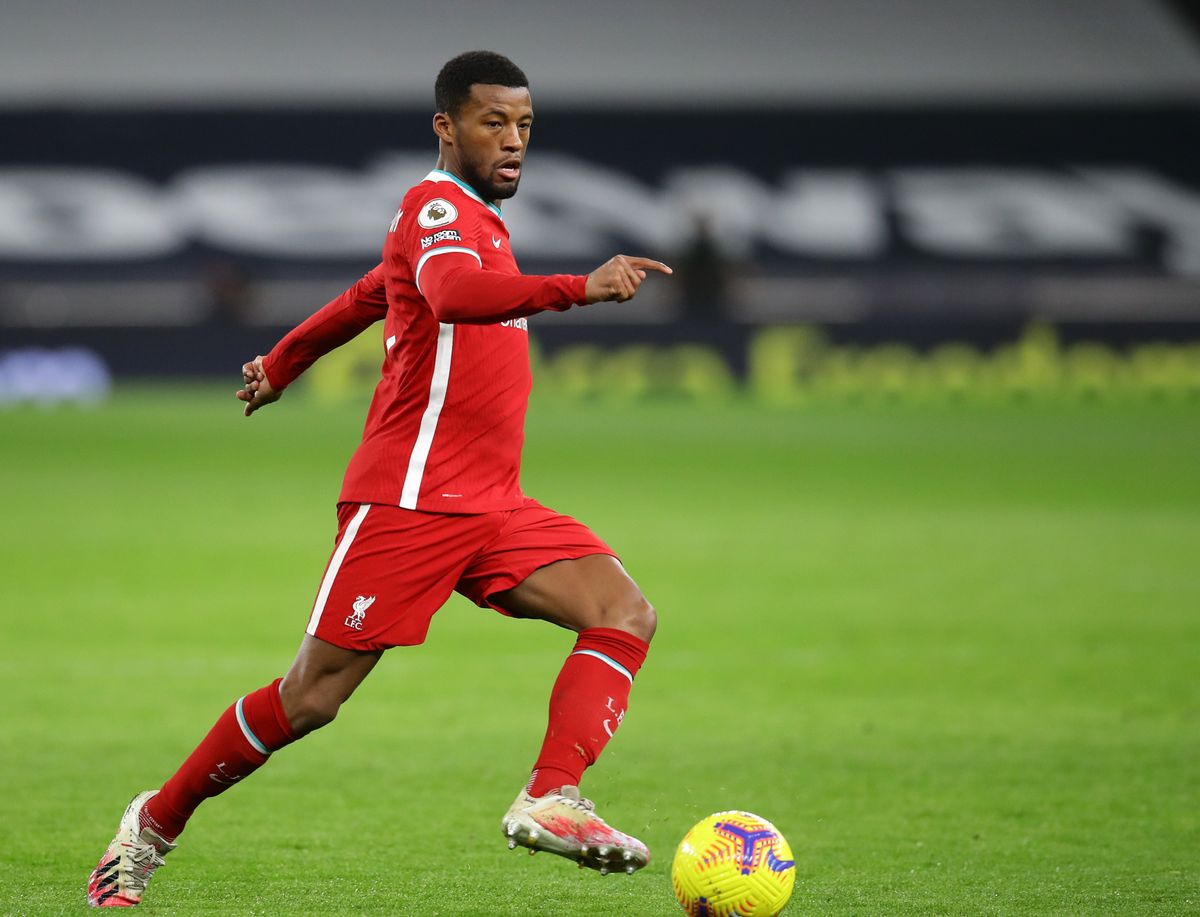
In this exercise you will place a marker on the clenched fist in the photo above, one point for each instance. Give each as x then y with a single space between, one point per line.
257 390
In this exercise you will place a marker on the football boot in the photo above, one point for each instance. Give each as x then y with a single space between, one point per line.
564 823
120 877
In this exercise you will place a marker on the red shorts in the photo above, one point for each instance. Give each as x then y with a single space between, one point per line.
393 568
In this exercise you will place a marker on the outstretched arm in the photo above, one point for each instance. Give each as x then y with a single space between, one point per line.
459 290
329 327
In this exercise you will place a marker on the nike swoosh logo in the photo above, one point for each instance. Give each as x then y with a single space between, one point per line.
495 242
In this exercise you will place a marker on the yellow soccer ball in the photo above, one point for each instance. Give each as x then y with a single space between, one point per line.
733 863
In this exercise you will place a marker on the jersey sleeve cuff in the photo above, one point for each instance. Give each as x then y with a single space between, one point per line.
277 376
578 287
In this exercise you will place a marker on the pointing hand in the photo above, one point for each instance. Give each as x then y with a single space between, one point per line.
618 278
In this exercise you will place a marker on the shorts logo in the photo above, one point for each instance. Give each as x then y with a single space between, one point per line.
446 235
437 213
361 604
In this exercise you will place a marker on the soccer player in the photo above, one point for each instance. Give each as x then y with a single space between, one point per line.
431 501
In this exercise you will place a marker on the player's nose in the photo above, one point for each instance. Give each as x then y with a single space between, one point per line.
512 139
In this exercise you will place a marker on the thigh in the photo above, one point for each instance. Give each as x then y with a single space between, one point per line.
592 591
391 570
550 566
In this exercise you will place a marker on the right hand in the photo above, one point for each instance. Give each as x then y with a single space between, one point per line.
618 279
257 390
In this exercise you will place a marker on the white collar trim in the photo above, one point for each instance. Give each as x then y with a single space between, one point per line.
439 175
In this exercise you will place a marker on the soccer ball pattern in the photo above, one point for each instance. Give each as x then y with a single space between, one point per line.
733 864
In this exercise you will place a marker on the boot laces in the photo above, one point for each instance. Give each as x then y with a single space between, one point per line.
138 864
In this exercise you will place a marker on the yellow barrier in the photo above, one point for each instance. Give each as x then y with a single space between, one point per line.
793 364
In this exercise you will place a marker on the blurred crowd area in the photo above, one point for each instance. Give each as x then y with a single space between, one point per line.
955 174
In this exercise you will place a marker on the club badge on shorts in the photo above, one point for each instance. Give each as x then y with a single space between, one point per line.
361 604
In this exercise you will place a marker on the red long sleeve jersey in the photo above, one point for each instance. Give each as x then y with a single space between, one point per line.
446 424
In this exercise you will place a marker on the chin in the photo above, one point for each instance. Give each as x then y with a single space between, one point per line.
491 190
503 192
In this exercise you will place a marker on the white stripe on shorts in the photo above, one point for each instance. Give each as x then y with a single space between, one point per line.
335 564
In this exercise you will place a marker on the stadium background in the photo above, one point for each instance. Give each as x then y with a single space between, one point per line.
179 185
905 453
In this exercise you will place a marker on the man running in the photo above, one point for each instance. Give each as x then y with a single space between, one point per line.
431 502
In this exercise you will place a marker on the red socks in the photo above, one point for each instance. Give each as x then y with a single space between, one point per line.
239 744
586 705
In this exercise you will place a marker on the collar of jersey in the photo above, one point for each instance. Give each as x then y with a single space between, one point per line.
443 175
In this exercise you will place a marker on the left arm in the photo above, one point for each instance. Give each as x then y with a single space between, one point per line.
265 378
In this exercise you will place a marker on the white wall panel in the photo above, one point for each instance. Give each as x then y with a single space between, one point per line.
665 52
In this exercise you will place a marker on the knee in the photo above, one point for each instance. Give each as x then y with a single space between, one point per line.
634 615
308 710
647 621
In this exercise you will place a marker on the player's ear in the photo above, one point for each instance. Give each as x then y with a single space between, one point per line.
443 126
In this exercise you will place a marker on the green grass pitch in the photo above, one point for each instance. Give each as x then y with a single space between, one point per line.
953 652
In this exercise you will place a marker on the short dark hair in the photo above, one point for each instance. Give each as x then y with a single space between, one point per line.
453 86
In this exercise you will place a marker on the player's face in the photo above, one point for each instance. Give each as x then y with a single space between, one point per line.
491 133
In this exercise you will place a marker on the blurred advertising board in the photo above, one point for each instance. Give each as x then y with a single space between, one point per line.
205 228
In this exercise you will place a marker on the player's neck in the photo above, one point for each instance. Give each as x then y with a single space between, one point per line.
450 168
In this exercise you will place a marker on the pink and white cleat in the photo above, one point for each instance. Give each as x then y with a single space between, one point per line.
130 860
565 823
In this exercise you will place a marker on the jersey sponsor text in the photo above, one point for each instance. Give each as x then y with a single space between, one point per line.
446 235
